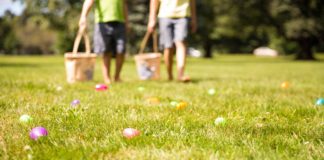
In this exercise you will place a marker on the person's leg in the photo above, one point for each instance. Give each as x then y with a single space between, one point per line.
120 48
168 60
166 35
106 67
181 50
180 36
119 64
102 37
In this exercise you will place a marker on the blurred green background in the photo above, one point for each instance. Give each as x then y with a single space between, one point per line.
225 26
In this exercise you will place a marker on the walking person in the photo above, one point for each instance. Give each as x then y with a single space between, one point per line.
175 17
111 23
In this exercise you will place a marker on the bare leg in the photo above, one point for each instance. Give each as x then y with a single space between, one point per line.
168 59
106 67
119 64
181 60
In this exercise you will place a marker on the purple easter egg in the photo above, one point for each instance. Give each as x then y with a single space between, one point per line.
37 132
75 102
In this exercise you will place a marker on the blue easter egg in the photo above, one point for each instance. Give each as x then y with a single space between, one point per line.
320 102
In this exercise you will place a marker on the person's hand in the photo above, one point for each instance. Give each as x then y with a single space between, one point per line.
151 25
193 25
83 23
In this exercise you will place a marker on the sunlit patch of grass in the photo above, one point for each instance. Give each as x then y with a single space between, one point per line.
263 120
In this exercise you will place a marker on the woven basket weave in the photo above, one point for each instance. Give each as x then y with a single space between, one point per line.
80 66
148 64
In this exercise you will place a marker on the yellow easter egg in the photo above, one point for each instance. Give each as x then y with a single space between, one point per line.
181 105
153 100
284 85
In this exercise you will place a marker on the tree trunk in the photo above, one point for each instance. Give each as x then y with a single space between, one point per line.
306 49
208 47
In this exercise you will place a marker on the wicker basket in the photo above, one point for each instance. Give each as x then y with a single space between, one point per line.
148 64
80 66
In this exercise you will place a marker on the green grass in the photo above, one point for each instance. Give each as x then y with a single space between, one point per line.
264 121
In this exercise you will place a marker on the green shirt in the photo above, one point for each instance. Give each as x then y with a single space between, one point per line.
109 10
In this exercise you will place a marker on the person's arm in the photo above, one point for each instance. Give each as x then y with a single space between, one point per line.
154 6
193 16
85 11
125 10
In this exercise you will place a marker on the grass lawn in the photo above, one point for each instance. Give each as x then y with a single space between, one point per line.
263 120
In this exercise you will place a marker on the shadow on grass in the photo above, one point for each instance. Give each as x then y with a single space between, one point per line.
4 64
267 61
199 80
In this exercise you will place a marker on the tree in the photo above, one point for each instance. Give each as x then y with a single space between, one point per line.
61 17
205 26
241 26
138 16
229 26
9 42
300 21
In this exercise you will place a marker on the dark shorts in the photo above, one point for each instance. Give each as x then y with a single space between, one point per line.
173 30
110 37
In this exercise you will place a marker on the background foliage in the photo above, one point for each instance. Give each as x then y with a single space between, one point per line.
225 26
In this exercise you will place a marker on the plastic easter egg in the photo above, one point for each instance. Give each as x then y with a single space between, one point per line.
38 132
101 87
59 88
173 103
181 105
75 102
131 133
29 156
140 89
211 91
153 100
320 102
284 85
220 121
27 148
25 118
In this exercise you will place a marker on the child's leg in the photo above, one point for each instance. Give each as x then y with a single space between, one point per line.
106 67
120 47
168 59
166 36
102 37
181 59
119 64
180 36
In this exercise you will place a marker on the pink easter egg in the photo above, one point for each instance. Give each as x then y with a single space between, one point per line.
101 87
131 133
37 132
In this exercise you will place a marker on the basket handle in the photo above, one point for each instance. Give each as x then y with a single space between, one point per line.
145 39
78 39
